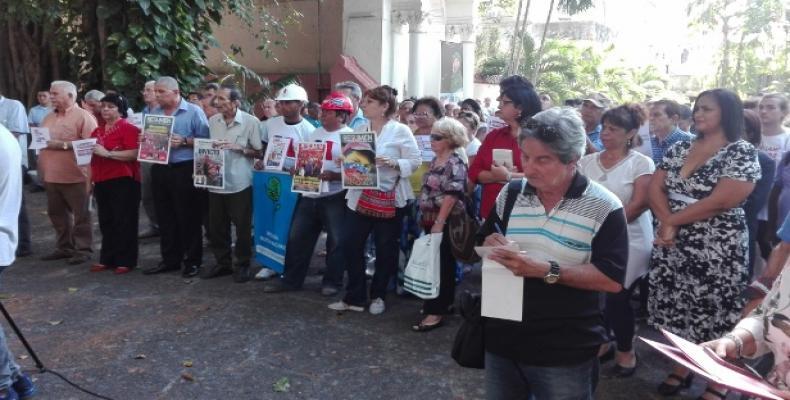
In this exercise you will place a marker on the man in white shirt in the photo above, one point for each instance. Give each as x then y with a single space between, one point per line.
13 383
289 124
239 134
773 109
147 194
324 211
13 118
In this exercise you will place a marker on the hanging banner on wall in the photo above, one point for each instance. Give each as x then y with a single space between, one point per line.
273 208
452 68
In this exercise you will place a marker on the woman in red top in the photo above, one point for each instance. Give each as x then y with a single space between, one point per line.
518 101
116 177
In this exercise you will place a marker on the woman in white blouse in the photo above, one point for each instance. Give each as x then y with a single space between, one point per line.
626 173
379 211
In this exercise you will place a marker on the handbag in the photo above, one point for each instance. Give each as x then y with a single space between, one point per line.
469 344
376 204
422 275
462 228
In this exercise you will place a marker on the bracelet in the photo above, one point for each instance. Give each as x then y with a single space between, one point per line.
439 221
760 286
738 343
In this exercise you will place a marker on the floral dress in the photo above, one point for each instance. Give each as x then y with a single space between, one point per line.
695 284
440 181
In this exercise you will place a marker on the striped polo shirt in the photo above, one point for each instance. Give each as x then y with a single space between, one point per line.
561 325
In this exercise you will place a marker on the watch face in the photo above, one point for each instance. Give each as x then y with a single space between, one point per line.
551 278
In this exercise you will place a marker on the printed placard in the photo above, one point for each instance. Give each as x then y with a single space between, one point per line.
209 162
359 160
155 142
309 165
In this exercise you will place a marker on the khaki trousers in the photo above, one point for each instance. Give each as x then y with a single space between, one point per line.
67 206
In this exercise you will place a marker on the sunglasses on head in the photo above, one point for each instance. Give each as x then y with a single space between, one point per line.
437 138
544 132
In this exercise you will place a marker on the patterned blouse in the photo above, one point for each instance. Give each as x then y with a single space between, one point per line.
439 181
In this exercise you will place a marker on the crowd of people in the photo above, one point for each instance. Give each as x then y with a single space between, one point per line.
657 201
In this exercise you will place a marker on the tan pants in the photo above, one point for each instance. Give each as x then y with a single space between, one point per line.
67 206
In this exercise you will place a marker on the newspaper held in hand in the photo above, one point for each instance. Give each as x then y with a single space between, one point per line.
136 119
424 143
40 137
155 139
83 150
704 362
209 163
358 169
309 165
275 153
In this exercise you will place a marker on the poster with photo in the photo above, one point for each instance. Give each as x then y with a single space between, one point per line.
276 151
452 68
155 142
209 164
359 160
309 164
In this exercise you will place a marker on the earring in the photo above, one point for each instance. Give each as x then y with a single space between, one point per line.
628 143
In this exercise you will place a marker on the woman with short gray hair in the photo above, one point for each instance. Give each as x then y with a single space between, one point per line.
572 244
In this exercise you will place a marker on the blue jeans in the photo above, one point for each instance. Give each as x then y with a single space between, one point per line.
9 370
507 379
310 217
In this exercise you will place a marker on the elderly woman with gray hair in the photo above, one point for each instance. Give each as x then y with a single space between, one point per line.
572 245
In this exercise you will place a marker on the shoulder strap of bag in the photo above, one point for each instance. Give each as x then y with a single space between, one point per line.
513 189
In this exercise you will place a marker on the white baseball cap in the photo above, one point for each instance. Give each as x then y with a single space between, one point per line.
292 92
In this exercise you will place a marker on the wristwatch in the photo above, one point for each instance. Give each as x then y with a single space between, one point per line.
554 273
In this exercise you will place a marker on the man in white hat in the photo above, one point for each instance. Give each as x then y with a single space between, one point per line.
289 124
592 109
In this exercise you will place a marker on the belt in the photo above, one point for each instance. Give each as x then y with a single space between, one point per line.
682 197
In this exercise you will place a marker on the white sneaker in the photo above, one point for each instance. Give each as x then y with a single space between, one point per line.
265 273
376 306
343 306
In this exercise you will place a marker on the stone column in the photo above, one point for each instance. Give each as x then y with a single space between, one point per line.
400 59
468 47
417 34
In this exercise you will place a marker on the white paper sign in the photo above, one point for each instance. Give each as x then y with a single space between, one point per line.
502 292
136 120
40 137
83 150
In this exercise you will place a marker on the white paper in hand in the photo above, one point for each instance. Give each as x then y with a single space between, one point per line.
502 292
40 137
83 150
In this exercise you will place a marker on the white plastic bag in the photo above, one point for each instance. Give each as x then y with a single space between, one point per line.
421 277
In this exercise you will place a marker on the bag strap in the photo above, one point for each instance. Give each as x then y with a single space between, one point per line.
513 190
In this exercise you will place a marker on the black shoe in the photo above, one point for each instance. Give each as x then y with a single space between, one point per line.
188 271
277 286
666 389
213 271
608 356
241 273
619 371
162 267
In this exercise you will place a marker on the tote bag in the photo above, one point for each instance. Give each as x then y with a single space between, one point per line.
421 277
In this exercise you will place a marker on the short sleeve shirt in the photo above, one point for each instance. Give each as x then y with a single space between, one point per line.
122 136
60 166
190 121
244 130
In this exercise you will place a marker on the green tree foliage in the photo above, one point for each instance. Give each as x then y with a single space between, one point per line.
749 59
119 44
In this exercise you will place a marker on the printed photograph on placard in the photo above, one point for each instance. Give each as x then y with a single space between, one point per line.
359 160
155 143
209 170
275 153
309 163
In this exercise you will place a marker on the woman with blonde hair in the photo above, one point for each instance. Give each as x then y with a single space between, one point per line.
441 197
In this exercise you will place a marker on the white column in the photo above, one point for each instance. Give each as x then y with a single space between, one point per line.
468 47
399 58
417 35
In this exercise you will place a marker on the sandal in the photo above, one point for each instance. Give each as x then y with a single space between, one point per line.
666 389
719 395
421 327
